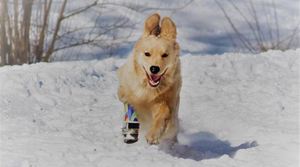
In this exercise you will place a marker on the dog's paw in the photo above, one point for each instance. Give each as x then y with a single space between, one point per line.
152 138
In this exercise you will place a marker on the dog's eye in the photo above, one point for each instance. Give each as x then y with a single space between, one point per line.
147 54
164 55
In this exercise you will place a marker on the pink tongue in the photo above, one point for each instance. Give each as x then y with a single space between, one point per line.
155 78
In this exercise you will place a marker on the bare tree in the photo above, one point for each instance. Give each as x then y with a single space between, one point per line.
35 30
262 38
18 43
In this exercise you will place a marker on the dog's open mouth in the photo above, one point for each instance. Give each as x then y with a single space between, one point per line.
154 79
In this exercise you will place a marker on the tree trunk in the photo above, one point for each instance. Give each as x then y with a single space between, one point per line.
40 45
27 5
3 38
16 42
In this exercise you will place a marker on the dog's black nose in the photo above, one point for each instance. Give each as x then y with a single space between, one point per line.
154 69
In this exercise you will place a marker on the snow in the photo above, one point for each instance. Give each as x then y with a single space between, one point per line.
236 110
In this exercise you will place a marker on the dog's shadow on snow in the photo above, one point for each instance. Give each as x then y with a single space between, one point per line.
203 145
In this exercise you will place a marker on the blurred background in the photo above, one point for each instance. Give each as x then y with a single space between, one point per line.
34 31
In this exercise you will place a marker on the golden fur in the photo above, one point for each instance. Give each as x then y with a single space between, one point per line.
156 107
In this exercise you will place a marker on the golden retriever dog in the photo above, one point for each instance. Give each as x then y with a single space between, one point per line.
150 80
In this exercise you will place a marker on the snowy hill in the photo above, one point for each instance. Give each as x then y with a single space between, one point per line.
236 110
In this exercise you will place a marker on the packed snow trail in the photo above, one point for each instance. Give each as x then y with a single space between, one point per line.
235 110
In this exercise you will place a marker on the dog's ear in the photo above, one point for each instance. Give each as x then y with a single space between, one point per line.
168 29
152 25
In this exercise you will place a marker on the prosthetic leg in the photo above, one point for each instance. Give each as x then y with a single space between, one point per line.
131 125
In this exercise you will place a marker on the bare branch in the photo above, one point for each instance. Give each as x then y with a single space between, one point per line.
231 38
141 9
30 38
247 21
276 22
268 25
78 11
293 35
243 39
260 34
59 20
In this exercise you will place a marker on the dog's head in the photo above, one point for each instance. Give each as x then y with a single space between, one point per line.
156 53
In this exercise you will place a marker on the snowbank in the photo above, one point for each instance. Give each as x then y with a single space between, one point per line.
236 110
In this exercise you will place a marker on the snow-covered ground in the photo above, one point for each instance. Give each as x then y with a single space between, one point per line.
236 110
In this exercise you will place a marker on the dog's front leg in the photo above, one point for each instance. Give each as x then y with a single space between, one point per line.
161 114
